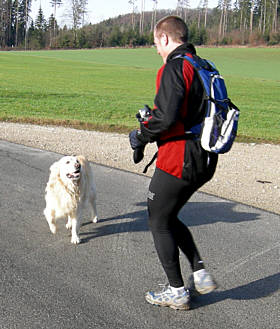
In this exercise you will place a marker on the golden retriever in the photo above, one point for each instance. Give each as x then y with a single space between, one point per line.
69 189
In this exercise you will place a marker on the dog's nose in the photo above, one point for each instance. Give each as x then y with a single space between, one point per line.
77 165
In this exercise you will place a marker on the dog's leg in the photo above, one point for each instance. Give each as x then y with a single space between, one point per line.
50 217
75 229
69 223
94 209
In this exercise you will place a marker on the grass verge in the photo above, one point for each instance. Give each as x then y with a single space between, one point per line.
103 89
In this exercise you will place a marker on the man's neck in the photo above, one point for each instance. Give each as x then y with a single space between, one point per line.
171 47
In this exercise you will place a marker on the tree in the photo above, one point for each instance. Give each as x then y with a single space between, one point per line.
26 10
40 28
23 8
199 13
142 17
252 15
132 3
83 4
224 7
6 22
179 8
154 15
275 16
52 27
186 6
77 11
54 4
205 7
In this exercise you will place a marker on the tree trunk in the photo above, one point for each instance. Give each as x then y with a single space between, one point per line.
274 22
142 17
16 36
205 12
26 24
264 17
221 20
252 15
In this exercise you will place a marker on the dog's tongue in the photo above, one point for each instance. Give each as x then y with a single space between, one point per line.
74 175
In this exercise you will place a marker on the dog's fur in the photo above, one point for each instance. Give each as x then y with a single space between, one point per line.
70 187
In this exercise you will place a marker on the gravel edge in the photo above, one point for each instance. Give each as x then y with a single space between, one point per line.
248 174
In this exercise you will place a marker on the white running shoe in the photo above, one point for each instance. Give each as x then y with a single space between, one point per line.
203 282
167 298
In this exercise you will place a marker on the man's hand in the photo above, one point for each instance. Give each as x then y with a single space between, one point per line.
138 154
134 141
136 145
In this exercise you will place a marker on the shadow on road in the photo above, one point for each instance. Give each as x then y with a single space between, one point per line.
193 214
253 290
204 213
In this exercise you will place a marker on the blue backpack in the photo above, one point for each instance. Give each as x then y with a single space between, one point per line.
219 127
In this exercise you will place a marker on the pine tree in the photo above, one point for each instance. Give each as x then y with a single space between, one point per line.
40 28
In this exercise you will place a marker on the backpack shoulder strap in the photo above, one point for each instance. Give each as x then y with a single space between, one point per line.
199 63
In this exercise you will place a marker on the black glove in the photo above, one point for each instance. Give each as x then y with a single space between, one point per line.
136 145
134 141
138 154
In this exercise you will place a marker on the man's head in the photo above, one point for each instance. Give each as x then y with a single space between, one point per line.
169 33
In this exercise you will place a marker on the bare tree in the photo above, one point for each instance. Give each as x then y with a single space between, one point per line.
54 4
154 14
264 16
199 13
252 15
76 13
132 2
180 7
205 7
224 6
84 4
142 17
27 6
2 23
16 17
186 5
275 16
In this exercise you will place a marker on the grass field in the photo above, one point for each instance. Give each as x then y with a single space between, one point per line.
103 88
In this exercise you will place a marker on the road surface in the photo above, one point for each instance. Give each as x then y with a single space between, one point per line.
45 282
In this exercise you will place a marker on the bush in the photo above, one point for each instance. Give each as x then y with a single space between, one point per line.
274 39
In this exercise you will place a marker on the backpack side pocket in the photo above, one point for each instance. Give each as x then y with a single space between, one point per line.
199 165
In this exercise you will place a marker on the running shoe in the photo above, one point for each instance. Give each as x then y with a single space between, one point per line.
203 282
167 298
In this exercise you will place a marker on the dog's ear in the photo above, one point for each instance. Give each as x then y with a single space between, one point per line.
85 172
82 160
54 170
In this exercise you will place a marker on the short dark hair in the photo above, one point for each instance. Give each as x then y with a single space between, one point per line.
174 27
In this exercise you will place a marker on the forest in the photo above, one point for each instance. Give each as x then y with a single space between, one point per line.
232 22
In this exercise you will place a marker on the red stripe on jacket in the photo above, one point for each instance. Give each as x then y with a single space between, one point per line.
171 154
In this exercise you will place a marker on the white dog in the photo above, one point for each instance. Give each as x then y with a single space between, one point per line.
70 187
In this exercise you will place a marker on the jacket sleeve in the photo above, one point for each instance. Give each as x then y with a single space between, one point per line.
168 101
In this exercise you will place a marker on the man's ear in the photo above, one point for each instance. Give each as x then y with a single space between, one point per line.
164 38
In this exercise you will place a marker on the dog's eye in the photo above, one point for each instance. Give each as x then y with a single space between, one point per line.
67 162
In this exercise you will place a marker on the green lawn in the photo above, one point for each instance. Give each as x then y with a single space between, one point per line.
104 88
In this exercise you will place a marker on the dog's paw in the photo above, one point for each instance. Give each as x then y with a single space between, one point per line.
75 240
95 219
68 226
52 228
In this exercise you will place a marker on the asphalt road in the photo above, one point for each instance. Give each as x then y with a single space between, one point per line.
45 282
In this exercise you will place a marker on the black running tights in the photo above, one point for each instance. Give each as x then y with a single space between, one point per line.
167 195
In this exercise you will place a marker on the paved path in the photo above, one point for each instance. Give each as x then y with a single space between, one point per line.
45 282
